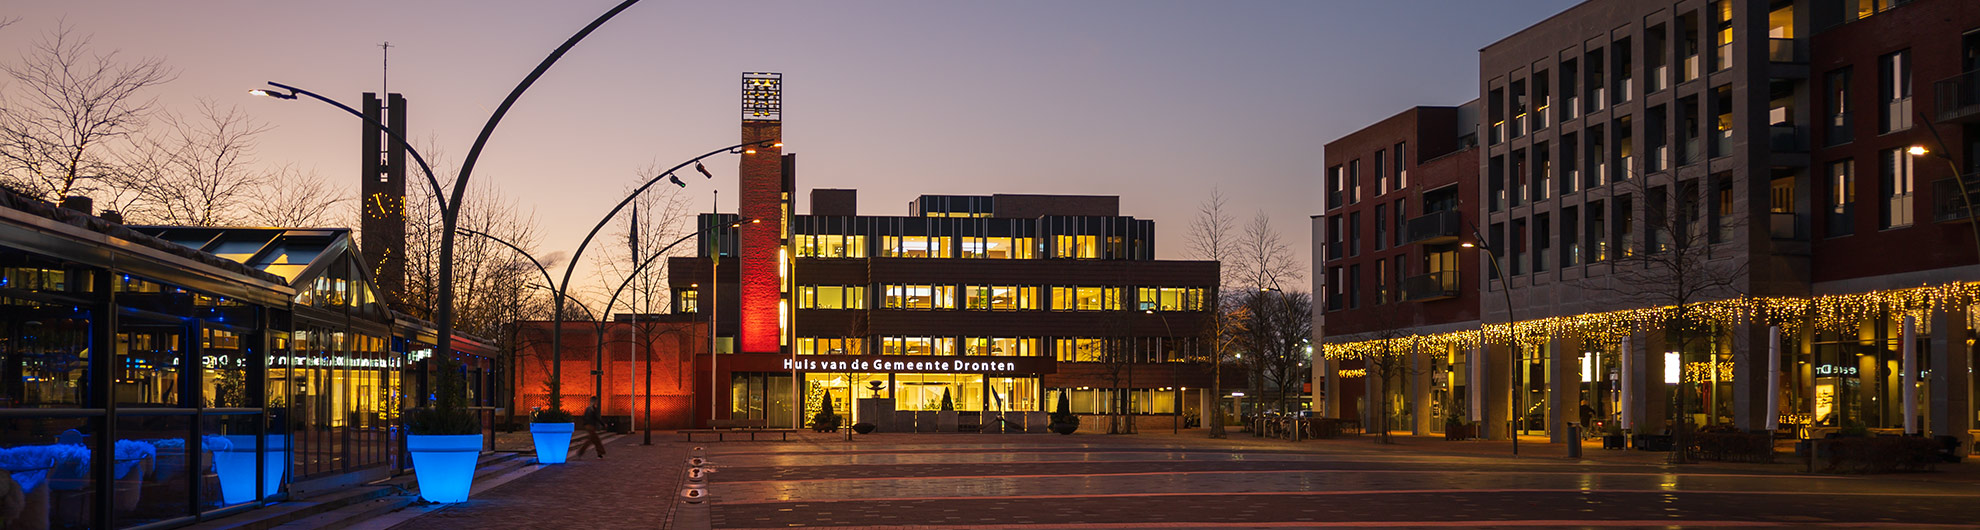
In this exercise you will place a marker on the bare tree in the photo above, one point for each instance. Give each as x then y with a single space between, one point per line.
67 111
1279 325
1261 258
197 172
295 198
1390 361
1679 267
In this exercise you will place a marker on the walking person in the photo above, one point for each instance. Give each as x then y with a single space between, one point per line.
591 422
1587 416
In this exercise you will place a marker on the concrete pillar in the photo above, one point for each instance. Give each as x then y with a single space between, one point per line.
1330 374
1371 396
1419 390
1495 390
1951 409
1651 407
1474 389
1749 399
1563 386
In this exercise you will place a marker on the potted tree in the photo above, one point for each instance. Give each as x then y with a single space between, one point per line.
826 420
551 430
1613 437
444 439
1063 421
946 419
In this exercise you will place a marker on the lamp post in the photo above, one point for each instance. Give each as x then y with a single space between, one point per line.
450 213
559 291
1965 195
1512 376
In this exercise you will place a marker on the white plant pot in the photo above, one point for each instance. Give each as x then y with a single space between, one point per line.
553 441
444 464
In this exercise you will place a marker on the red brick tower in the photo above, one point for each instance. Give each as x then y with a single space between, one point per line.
765 190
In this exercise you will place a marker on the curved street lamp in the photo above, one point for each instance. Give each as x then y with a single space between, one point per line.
451 204
556 339
438 195
1512 377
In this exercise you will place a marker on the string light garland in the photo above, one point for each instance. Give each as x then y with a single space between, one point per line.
1833 313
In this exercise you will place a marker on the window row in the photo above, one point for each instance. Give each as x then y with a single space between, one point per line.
1391 172
1895 204
1108 401
1600 77
972 247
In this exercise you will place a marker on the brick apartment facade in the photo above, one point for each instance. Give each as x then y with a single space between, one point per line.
1771 139
1400 196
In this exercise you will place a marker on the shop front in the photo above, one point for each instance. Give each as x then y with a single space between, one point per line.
760 386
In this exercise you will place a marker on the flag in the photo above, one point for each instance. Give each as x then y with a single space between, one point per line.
703 169
675 180
632 236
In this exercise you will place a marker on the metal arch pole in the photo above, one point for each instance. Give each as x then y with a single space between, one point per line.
431 180
444 310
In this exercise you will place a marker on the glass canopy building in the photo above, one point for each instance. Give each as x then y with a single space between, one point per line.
149 375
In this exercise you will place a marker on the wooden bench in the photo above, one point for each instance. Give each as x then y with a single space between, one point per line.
723 428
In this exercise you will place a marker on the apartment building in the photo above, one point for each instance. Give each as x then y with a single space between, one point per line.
1727 213
1400 197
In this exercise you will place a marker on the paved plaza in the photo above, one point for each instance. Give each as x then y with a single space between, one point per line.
1186 481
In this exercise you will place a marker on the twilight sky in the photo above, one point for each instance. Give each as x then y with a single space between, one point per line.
1157 102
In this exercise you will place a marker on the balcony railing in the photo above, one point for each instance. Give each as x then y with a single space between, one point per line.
1946 202
1570 107
1787 139
1436 227
1786 51
1958 97
1433 286
1782 225
1690 67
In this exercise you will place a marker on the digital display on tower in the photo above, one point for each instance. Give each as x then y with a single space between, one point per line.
763 96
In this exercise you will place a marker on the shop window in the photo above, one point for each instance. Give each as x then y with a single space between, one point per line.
1080 350
1000 347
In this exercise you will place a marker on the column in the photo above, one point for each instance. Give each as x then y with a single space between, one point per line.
1371 396
1494 392
1649 408
1951 409
1750 376
1419 391
1564 387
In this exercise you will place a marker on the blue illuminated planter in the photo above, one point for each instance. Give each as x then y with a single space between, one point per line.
444 464
553 441
235 466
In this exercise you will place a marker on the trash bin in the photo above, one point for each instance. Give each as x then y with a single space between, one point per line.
1574 440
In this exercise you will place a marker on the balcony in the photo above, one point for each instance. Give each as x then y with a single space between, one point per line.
1787 139
1436 228
1946 202
1433 286
1782 225
1958 97
1786 51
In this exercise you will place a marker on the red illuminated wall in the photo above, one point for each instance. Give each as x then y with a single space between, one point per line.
670 345
762 187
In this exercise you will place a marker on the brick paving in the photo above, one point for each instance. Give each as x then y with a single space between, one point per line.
634 487
1188 481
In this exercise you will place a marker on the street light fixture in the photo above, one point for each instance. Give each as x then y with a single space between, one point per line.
1512 375
443 305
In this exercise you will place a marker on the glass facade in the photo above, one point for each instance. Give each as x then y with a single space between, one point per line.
160 393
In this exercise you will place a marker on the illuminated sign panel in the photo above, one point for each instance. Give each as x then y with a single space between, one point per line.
919 364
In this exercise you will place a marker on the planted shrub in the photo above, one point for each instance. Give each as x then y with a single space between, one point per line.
1735 447
554 415
826 420
1882 454
448 415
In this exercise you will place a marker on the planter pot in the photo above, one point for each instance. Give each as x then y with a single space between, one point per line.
553 441
130 484
34 487
863 428
444 464
235 466
1064 428
1612 441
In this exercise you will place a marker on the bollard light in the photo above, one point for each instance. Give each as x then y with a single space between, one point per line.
697 462
695 474
694 495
